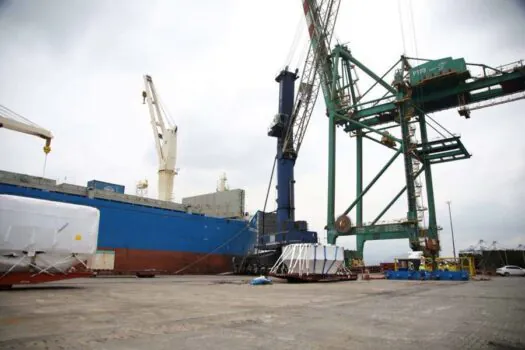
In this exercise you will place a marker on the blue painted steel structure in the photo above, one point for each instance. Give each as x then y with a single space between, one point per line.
275 230
285 161
433 275
138 227
270 241
287 228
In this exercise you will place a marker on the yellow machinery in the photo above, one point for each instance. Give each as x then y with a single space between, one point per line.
446 263
465 263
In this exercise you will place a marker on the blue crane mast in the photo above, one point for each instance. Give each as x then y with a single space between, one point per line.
285 158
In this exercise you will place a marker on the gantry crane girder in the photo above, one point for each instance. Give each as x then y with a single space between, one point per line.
415 91
441 92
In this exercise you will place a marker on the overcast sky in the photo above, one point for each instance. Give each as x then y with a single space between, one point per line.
75 67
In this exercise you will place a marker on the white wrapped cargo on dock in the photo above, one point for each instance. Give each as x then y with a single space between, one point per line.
44 236
309 259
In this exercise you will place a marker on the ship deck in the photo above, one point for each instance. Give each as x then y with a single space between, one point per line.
45 184
191 205
225 312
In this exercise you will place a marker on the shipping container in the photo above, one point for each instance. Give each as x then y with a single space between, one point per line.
105 186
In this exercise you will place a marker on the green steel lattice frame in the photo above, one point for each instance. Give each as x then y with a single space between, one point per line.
401 105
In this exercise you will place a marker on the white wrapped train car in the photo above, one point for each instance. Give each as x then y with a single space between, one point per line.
42 241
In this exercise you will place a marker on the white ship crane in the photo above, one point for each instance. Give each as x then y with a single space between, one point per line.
14 121
165 136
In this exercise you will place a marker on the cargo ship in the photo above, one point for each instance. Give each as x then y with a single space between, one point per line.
139 235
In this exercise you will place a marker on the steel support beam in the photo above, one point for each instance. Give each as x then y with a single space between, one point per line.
389 205
409 176
429 186
374 180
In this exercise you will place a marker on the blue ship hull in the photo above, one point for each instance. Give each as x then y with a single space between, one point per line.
151 238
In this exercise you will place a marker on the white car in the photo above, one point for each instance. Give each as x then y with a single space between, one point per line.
510 270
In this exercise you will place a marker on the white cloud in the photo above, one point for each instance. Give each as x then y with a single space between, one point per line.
78 72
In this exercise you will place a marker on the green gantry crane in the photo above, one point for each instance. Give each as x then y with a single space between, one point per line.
419 87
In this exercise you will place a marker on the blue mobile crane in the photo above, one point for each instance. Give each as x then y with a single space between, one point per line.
278 229
287 229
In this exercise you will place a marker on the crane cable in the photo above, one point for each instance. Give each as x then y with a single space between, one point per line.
413 26
296 40
269 184
164 108
17 117
235 235
45 163
21 119
401 26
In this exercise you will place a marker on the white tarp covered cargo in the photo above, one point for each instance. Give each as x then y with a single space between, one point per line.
310 259
45 236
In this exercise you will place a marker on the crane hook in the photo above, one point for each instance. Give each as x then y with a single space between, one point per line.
144 95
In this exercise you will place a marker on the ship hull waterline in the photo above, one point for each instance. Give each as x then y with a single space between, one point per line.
158 262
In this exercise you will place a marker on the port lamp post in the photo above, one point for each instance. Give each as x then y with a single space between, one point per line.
452 231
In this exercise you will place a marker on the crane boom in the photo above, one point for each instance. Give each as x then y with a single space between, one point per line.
165 141
13 121
321 19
